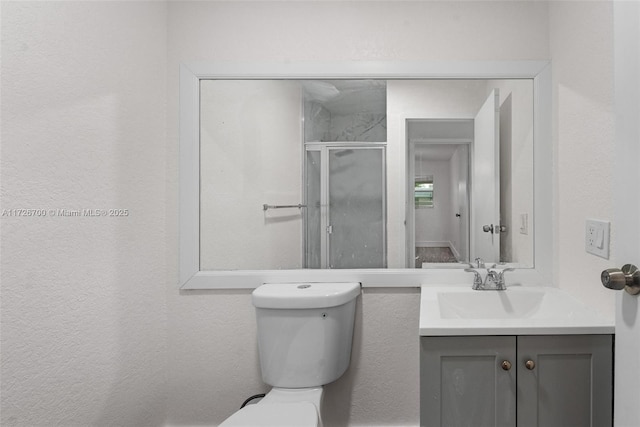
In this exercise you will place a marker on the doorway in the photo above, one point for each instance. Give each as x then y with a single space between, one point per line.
438 197
473 210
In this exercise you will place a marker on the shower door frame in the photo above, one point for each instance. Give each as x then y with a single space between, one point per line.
324 148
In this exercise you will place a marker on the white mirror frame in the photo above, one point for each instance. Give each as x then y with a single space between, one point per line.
191 277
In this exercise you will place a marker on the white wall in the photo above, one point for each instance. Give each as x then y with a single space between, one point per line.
84 333
250 150
582 52
212 356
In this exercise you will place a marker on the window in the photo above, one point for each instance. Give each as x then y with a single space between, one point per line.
423 192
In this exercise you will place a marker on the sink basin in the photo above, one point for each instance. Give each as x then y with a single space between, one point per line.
459 310
489 304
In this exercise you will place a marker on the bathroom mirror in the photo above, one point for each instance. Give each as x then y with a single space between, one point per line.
320 170
294 173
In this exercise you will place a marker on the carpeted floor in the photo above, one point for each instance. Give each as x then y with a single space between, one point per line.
434 255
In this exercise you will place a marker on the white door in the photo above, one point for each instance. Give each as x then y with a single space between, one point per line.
485 184
462 212
626 200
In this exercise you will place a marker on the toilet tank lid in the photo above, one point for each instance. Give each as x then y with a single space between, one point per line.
304 295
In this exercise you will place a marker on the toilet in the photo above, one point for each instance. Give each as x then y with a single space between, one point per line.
305 331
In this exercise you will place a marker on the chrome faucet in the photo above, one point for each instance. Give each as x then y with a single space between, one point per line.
494 280
477 277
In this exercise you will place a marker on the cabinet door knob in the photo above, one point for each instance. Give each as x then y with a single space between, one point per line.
627 278
506 365
530 364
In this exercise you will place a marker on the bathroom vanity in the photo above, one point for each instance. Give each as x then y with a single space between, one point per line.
527 356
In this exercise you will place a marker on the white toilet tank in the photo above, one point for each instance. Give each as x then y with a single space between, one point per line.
305 331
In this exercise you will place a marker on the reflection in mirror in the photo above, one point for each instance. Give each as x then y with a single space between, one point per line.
345 133
440 220
323 173
475 137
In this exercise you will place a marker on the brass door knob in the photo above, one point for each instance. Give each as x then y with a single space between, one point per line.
506 365
627 278
530 364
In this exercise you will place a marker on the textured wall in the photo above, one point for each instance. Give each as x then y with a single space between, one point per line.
213 360
83 298
581 42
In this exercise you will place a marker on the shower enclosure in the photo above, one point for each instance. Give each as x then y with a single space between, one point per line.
345 198
345 133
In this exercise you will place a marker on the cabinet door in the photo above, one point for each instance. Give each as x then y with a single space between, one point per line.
463 383
568 381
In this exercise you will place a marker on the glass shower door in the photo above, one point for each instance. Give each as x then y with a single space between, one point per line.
314 238
356 208
345 222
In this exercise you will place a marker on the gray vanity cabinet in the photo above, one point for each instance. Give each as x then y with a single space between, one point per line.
523 381
565 380
462 383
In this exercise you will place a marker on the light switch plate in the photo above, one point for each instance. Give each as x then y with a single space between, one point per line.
596 238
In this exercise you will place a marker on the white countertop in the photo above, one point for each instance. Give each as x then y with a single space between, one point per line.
520 310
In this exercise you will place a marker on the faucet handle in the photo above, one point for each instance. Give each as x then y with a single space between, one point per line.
477 278
479 262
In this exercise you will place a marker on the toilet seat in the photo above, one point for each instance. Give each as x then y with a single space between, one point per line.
300 414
